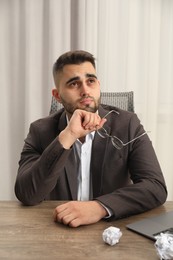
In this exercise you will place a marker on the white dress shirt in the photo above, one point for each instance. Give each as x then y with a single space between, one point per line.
83 156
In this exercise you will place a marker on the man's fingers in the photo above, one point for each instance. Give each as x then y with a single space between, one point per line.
59 212
91 121
75 223
64 214
67 219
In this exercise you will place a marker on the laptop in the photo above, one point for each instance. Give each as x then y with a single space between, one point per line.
153 226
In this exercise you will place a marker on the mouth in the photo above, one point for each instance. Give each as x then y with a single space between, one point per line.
86 101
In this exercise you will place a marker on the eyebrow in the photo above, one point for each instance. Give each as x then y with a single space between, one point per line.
88 75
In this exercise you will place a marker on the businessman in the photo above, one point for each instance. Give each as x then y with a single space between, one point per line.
98 158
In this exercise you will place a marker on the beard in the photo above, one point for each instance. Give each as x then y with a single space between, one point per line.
70 108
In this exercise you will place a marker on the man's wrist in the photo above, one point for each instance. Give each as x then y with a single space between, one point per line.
103 212
109 212
66 139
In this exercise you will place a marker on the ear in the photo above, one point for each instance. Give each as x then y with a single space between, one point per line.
55 93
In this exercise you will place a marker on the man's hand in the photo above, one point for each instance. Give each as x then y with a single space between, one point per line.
76 213
81 123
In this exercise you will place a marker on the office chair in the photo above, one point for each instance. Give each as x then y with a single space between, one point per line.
123 100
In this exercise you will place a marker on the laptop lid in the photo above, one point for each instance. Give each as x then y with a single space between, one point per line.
153 226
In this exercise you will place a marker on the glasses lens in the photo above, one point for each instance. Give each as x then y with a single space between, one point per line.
102 132
117 142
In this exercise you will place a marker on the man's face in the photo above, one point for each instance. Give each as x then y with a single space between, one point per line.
78 88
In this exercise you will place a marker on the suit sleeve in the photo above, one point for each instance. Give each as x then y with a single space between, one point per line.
37 176
148 188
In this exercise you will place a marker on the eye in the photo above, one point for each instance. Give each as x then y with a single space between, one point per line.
74 84
91 80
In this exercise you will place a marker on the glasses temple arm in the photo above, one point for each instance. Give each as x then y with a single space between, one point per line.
134 139
111 112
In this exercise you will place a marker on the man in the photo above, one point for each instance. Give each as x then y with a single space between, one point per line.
65 156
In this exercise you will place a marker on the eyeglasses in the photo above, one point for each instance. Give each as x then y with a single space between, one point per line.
116 142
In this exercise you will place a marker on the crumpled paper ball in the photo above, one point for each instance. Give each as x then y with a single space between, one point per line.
164 246
111 235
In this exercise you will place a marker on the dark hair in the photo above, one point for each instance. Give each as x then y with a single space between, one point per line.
72 57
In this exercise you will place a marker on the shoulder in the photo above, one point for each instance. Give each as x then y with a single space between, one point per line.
50 123
119 113
44 130
122 119
51 119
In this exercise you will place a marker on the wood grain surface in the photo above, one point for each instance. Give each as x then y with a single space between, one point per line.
30 233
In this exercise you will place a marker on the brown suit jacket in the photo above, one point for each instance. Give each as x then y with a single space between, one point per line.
128 181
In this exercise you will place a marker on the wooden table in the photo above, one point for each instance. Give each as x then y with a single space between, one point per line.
31 233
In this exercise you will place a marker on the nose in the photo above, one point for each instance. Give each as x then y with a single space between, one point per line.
84 90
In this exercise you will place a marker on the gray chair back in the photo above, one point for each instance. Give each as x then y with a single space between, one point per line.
123 100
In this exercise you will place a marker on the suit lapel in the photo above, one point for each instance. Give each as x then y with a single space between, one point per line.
97 161
71 166
98 157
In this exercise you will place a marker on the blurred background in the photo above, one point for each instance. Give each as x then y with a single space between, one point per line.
132 41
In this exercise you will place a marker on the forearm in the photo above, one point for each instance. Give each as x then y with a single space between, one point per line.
135 198
38 174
